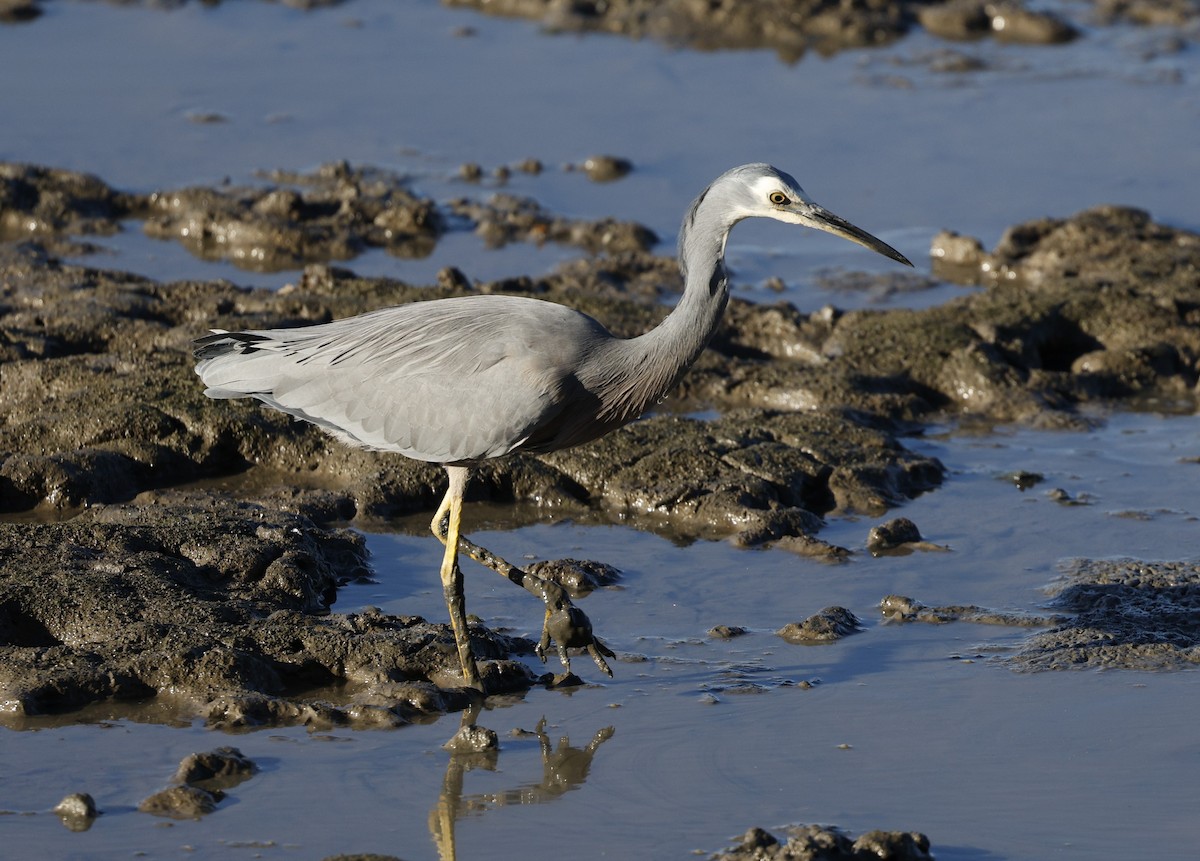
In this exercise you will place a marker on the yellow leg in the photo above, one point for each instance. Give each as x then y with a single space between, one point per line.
452 579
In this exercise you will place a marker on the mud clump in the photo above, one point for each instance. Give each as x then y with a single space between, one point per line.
1150 13
578 577
606 168
832 623
818 843
222 768
181 802
892 535
77 811
792 27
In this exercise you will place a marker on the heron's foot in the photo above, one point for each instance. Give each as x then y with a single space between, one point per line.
565 625
568 627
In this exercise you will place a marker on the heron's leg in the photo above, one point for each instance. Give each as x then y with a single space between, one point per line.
452 579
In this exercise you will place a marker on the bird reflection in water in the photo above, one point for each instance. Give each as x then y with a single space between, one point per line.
564 768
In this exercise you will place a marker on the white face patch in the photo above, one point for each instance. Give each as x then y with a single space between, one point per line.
765 186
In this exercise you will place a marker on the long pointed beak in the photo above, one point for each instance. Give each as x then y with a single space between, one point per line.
820 218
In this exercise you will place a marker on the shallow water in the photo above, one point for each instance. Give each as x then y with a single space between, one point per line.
914 727
905 727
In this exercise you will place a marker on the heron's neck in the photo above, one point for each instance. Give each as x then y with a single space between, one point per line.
682 336
656 361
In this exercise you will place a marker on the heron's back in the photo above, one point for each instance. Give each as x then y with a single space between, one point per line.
448 381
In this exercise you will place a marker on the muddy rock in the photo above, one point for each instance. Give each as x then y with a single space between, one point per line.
291 219
1023 479
726 632
1006 21
222 768
606 168
473 739
764 474
894 533
830 624
77 811
1124 614
1088 309
818 843
181 802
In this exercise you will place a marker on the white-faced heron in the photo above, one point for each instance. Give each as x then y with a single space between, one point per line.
462 380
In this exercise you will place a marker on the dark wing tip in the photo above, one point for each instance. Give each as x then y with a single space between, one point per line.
220 343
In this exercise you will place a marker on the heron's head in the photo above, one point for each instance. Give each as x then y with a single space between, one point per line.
762 191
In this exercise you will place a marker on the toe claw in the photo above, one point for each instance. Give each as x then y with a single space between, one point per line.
598 651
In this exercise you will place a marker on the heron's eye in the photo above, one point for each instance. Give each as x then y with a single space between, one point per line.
778 198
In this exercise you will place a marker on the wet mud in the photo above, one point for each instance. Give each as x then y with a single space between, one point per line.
793 27
176 547
814 842
790 28
222 610
1103 614
1121 614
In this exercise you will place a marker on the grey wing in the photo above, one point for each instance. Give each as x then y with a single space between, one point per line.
453 380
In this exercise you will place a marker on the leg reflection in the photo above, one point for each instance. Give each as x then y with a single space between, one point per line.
563 768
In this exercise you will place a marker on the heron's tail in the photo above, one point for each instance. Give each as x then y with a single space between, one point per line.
236 365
